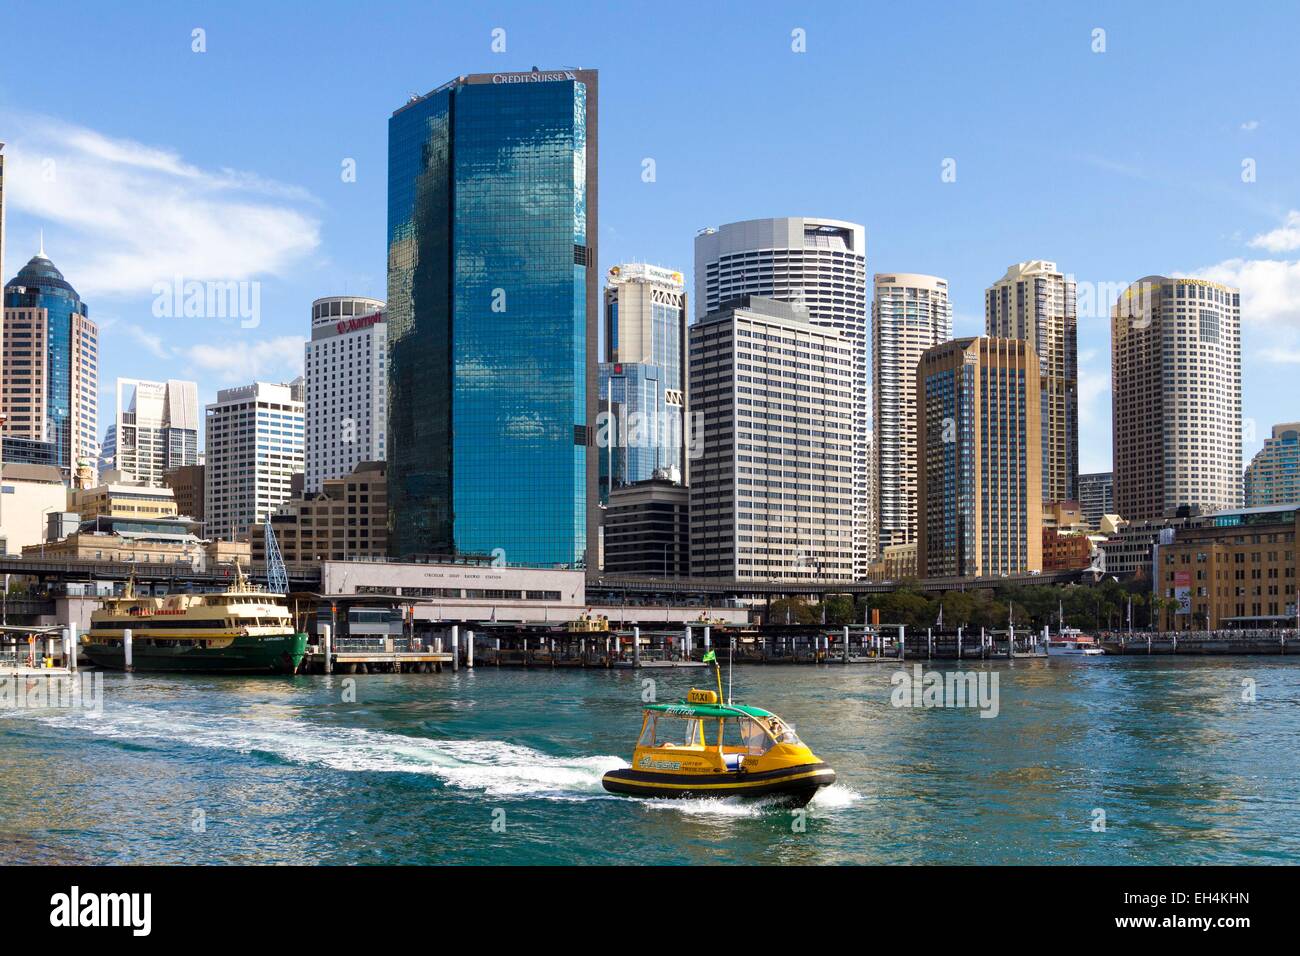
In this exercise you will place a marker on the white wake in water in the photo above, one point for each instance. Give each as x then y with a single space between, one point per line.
835 797
491 766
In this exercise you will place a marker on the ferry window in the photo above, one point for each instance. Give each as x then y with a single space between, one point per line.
648 732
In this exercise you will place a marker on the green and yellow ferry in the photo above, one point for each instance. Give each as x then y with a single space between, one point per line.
242 630
701 747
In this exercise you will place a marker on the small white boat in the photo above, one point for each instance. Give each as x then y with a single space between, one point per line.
1071 642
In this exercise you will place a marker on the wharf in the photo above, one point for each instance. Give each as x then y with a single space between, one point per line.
1204 643
368 655
9 669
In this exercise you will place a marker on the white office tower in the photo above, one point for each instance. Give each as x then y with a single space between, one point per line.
1176 397
254 448
156 429
909 314
820 267
771 496
346 387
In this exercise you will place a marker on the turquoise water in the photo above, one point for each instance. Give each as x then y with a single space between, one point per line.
419 768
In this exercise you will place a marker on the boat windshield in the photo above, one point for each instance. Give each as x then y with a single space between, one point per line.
758 735
781 731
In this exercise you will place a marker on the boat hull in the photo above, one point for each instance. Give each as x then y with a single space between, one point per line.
794 785
263 654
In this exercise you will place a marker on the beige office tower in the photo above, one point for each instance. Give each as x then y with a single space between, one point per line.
254 437
771 493
979 459
909 314
820 266
156 429
1035 302
1176 397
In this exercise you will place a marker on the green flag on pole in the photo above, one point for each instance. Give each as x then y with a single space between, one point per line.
709 657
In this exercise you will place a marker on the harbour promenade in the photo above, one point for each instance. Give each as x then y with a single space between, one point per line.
497 646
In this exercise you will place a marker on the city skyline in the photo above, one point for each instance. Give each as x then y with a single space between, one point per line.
317 234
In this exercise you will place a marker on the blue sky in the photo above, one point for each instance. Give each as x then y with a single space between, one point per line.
143 160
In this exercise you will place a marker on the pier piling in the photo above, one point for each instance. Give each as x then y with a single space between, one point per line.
127 663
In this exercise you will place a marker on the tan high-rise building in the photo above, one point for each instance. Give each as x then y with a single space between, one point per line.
1035 302
343 520
772 493
1176 397
186 484
979 459
122 499
909 314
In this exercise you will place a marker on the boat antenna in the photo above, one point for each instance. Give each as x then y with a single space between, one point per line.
731 656
717 670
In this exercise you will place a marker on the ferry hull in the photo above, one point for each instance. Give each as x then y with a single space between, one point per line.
795 785
278 654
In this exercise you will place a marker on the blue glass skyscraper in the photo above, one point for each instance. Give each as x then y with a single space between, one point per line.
492 319
643 429
51 367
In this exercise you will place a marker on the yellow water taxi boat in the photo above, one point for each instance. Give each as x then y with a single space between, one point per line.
701 747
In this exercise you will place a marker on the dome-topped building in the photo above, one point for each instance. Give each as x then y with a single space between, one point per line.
50 368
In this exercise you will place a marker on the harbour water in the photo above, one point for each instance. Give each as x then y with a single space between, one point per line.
503 767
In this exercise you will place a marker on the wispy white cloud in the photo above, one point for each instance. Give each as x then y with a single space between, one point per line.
1250 125
232 361
149 341
1270 289
1285 238
278 359
126 215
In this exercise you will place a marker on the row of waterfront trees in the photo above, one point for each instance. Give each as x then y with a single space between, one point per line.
1102 606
